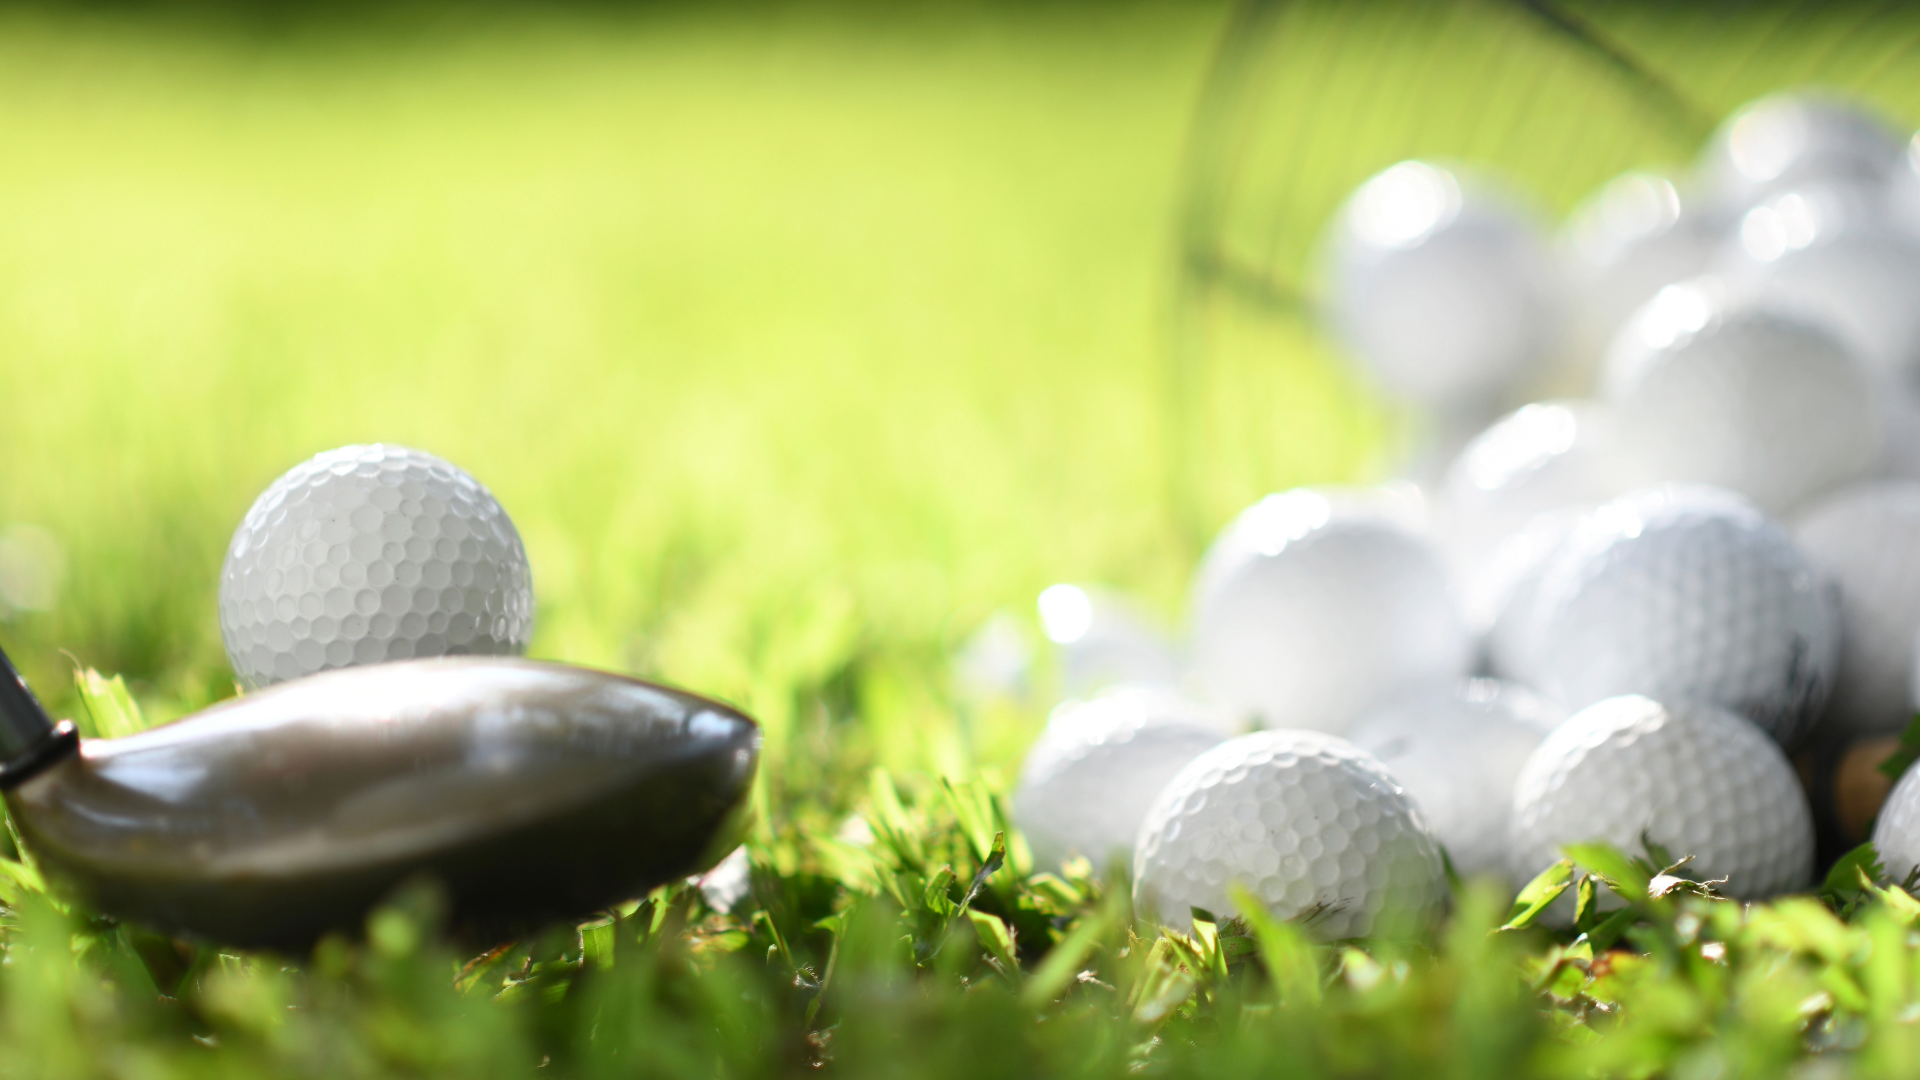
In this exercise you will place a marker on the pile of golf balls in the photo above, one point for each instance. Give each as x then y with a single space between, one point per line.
372 553
1619 610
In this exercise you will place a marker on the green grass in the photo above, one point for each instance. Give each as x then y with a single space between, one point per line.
797 341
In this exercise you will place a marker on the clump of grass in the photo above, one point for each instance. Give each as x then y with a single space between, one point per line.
916 939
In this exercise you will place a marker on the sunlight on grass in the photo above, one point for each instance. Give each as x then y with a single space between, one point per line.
791 344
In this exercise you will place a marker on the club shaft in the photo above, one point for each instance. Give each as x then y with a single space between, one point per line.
24 724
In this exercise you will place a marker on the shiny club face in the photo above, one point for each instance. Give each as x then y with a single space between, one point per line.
529 791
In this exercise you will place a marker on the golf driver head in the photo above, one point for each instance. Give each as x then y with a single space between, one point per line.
528 791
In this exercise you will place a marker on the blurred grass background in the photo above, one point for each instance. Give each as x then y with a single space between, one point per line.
796 339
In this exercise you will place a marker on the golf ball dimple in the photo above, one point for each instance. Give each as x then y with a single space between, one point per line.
1097 768
1796 137
372 553
1307 823
1866 540
1444 292
1457 751
1691 776
1680 592
1712 387
1306 612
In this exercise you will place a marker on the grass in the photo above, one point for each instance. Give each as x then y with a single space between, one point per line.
798 341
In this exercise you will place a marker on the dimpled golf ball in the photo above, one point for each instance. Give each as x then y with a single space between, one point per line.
1691 776
1833 256
1896 833
372 553
1097 768
1307 612
1866 540
1680 592
1446 293
1457 751
1713 387
1308 823
1797 137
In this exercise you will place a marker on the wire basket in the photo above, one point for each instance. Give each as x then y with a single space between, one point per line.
1307 98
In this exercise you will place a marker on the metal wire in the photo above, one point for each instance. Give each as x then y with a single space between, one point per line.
1306 98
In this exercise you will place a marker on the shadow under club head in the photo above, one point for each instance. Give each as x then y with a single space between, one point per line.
529 791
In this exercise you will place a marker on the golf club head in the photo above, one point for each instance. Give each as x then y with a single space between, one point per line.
528 791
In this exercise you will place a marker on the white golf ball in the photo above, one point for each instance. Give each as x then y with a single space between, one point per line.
1457 751
1097 768
1795 138
1309 824
1446 293
1896 832
1866 540
1509 587
1101 640
1900 427
1691 776
1712 389
1903 189
1306 614
1548 456
372 553
1683 592
1629 240
1833 256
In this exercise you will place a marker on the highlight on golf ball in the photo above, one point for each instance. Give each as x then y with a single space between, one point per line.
372 553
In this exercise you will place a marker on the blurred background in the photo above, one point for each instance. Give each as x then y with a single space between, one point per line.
796 338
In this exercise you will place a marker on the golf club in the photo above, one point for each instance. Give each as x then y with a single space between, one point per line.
528 791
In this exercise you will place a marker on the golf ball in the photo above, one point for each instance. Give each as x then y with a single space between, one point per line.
1797 137
1866 540
1509 588
1309 824
1832 256
1543 457
1679 592
1900 426
1096 769
1691 776
1896 835
1101 640
372 553
1457 751
1307 612
1713 389
995 662
1446 293
1629 240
